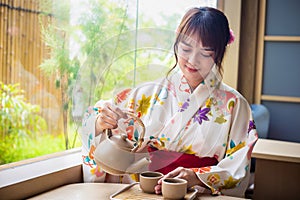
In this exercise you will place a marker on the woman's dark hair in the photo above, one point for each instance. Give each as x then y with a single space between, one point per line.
211 26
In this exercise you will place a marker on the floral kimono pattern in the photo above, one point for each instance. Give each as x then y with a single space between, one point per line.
212 121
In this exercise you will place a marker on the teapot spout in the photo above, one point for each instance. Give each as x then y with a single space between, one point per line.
138 166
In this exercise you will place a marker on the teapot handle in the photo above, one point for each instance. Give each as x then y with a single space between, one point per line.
141 137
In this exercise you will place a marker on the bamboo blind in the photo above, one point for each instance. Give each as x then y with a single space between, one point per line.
22 51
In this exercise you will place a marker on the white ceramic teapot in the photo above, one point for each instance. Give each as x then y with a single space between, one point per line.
116 154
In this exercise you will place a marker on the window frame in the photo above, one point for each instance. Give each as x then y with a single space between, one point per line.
21 171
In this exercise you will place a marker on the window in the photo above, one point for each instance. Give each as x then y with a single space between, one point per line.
277 82
58 57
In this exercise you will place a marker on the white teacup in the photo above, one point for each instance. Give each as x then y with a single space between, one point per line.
174 188
148 180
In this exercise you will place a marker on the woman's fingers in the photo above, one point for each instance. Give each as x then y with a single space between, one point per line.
115 112
106 121
109 115
157 189
184 173
118 111
175 173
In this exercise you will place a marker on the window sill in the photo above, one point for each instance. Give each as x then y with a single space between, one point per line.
28 169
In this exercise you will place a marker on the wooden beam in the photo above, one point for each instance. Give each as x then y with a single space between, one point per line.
260 51
278 38
247 53
280 98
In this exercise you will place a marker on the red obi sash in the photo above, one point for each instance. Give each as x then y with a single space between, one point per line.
166 161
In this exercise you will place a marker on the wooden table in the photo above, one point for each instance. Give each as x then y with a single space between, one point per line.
277 170
99 191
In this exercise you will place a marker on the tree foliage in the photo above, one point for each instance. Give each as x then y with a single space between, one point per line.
113 53
17 116
20 122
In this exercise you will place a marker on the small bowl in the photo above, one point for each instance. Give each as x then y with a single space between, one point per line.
148 180
174 188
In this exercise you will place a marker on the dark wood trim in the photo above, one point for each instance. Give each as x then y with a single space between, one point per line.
220 5
248 45
270 178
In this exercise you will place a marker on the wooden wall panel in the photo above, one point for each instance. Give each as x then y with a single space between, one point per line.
247 54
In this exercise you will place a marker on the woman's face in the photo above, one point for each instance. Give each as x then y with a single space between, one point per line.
195 61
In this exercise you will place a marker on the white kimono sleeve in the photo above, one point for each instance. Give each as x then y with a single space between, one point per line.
91 171
231 175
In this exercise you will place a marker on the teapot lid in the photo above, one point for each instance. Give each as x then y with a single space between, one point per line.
122 141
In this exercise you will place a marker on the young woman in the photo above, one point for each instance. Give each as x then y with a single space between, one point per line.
197 127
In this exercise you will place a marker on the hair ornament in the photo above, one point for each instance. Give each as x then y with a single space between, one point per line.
231 37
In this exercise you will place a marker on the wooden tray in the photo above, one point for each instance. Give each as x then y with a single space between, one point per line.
134 192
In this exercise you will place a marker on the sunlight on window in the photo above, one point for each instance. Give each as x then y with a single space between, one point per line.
66 55
158 10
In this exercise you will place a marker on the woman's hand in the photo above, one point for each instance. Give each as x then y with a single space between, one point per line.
108 117
183 173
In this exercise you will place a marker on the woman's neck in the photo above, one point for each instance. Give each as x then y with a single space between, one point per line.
193 86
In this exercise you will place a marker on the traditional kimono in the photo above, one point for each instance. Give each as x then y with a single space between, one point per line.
209 130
